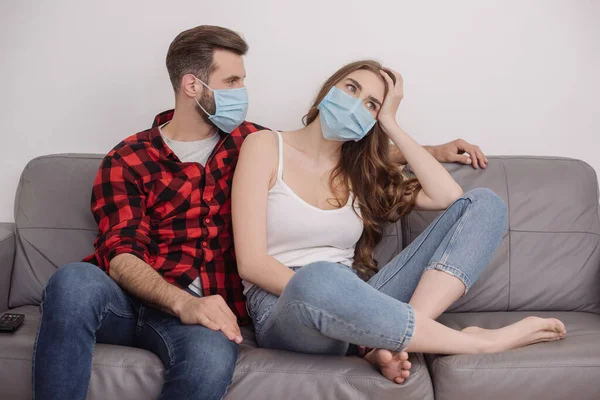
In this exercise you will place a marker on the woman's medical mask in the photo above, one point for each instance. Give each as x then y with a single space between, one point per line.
343 117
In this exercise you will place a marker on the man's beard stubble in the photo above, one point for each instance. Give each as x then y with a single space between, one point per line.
208 103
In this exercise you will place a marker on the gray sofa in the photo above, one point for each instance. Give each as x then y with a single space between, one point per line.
547 265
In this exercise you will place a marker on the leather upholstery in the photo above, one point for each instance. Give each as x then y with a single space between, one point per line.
549 261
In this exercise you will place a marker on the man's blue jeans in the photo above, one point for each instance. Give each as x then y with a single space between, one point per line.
325 307
82 305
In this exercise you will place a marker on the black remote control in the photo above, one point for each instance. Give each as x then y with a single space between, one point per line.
10 322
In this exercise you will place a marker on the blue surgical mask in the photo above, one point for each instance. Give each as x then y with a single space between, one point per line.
231 107
343 117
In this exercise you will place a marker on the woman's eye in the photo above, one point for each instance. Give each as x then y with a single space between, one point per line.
371 105
351 88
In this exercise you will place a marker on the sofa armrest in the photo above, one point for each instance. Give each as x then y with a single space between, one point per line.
7 255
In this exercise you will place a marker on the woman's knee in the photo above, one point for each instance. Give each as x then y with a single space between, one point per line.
317 281
489 203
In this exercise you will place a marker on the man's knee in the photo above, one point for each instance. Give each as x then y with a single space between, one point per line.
204 359
77 285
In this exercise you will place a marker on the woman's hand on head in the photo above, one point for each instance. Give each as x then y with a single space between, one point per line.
389 108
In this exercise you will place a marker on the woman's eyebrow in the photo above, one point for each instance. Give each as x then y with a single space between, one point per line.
374 100
359 87
355 83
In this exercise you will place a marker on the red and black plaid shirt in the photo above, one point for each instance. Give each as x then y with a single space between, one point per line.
176 216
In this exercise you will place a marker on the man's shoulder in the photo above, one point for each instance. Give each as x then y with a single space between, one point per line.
163 118
239 134
247 127
134 149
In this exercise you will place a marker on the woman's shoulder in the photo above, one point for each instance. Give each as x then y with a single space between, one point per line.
264 136
259 156
263 143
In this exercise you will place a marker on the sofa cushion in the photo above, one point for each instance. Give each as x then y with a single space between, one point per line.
549 258
123 373
7 255
566 369
54 223
118 372
264 374
390 245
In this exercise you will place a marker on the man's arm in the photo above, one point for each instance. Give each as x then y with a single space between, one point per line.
124 248
142 281
453 151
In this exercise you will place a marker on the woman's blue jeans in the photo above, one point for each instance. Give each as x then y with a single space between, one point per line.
325 307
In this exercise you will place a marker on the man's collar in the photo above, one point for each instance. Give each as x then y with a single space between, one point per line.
166 116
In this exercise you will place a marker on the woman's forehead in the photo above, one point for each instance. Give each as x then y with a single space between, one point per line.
370 82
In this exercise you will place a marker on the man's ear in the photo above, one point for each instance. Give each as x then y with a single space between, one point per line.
190 86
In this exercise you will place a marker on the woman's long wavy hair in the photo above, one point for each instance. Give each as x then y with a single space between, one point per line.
378 186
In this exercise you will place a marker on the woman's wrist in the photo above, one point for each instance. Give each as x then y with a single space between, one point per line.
388 125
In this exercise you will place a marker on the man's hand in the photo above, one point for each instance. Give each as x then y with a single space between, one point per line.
142 281
455 150
211 312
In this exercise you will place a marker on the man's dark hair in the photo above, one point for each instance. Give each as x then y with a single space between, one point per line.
191 52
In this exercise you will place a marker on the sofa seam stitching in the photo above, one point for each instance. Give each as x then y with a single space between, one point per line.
249 370
509 230
454 368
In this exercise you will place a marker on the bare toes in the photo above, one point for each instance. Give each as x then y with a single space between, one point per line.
561 326
403 355
384 356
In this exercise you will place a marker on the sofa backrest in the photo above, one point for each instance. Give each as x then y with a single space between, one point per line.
549 258
53 220
55 225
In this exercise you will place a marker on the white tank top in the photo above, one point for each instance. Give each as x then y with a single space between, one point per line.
299 233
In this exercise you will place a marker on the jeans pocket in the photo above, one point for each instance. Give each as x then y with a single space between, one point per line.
260 304
140 320
254 297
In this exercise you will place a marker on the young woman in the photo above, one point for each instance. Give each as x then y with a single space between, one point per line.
308 210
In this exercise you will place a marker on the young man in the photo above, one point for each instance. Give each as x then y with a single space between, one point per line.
167 280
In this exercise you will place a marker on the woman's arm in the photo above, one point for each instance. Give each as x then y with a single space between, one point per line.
439 188
255 173
397 157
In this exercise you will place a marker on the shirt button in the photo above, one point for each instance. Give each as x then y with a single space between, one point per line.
207 220
204 244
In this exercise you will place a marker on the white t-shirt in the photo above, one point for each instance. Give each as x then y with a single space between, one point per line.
196 151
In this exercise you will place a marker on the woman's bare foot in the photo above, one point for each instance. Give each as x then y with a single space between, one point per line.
528 331
393 365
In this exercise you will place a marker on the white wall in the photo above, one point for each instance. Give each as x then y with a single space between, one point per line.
515 77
